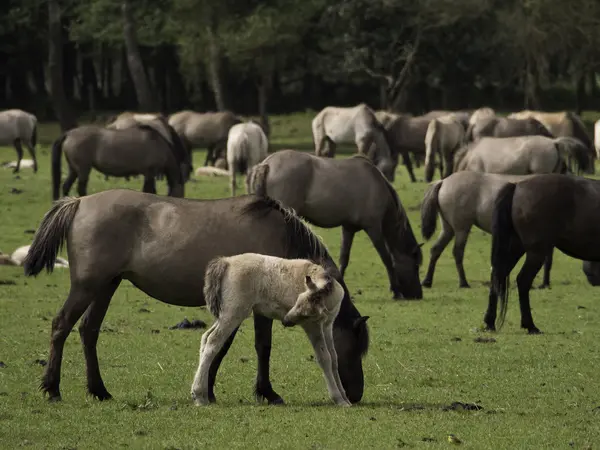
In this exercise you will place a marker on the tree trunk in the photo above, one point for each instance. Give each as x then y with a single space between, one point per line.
134 61
214 69
580 95
264 87
62 108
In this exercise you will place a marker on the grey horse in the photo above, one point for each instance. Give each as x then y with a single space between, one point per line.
494 126
350 193
19 128
162 245
208 130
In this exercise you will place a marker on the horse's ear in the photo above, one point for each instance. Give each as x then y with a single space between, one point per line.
309 283
358 322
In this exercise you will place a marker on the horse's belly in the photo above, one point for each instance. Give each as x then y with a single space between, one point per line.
340 132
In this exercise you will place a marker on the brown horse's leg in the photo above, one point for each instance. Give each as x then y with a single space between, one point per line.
149 185
33 157
82 182
386 258
436 251
533 263
547 268
263 328
460 241
214 367
71 177
89 329
347 239
19 150
209 154
77 302
408 164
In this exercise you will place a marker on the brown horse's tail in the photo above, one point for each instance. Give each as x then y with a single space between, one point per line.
50 236
257 180
213 282
429 209
504 242
56 165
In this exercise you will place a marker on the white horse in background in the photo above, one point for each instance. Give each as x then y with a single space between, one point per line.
445 135
18 127
18 256
359 125
247 146
295 291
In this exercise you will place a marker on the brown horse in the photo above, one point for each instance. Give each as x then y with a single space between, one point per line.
162 245
350 193
142 149
531 218
502 127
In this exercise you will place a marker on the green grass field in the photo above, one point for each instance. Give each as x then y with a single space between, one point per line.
534 391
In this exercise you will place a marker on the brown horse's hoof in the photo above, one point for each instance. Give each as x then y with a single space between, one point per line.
534 330
544 286
427 283
464 286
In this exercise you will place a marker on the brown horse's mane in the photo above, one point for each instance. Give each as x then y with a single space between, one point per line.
176 146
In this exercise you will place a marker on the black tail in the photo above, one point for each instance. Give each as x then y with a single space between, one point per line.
504 239
50 236
429 210
56 165
34 135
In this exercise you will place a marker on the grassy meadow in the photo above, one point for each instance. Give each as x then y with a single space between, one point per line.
533 391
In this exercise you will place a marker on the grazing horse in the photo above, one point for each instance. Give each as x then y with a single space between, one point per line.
562 124
391 122
350 193
142 149
334 125
462 200
295 291
531 218
209 130
247 145
501 127
19 127
521 155
162 245
444 137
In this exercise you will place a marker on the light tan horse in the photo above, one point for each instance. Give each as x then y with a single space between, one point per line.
336 125
206 130
444 137
562 124
18 127
247 146
128 119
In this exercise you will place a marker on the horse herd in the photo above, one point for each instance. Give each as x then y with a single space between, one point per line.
509 176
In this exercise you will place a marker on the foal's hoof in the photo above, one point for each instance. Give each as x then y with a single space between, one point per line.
201 401
344 404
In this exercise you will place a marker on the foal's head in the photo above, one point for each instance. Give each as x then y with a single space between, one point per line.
320 300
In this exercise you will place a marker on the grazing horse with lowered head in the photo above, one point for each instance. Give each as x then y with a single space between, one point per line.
531 218
208 130
350 193
462 200
444 137
562 124
521 155
295 291
393 125
162 245
247 145
142 149
18 128
358 124
502 127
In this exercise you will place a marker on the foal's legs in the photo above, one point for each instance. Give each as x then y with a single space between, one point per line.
19 149
328 332
89 329
379 244
77 302
437 249
347 239
547 268
324 358
263 327
214 367
531 267
460 241
149 184
211 344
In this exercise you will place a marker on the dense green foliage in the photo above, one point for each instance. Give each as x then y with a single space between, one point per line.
536 391
288 55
